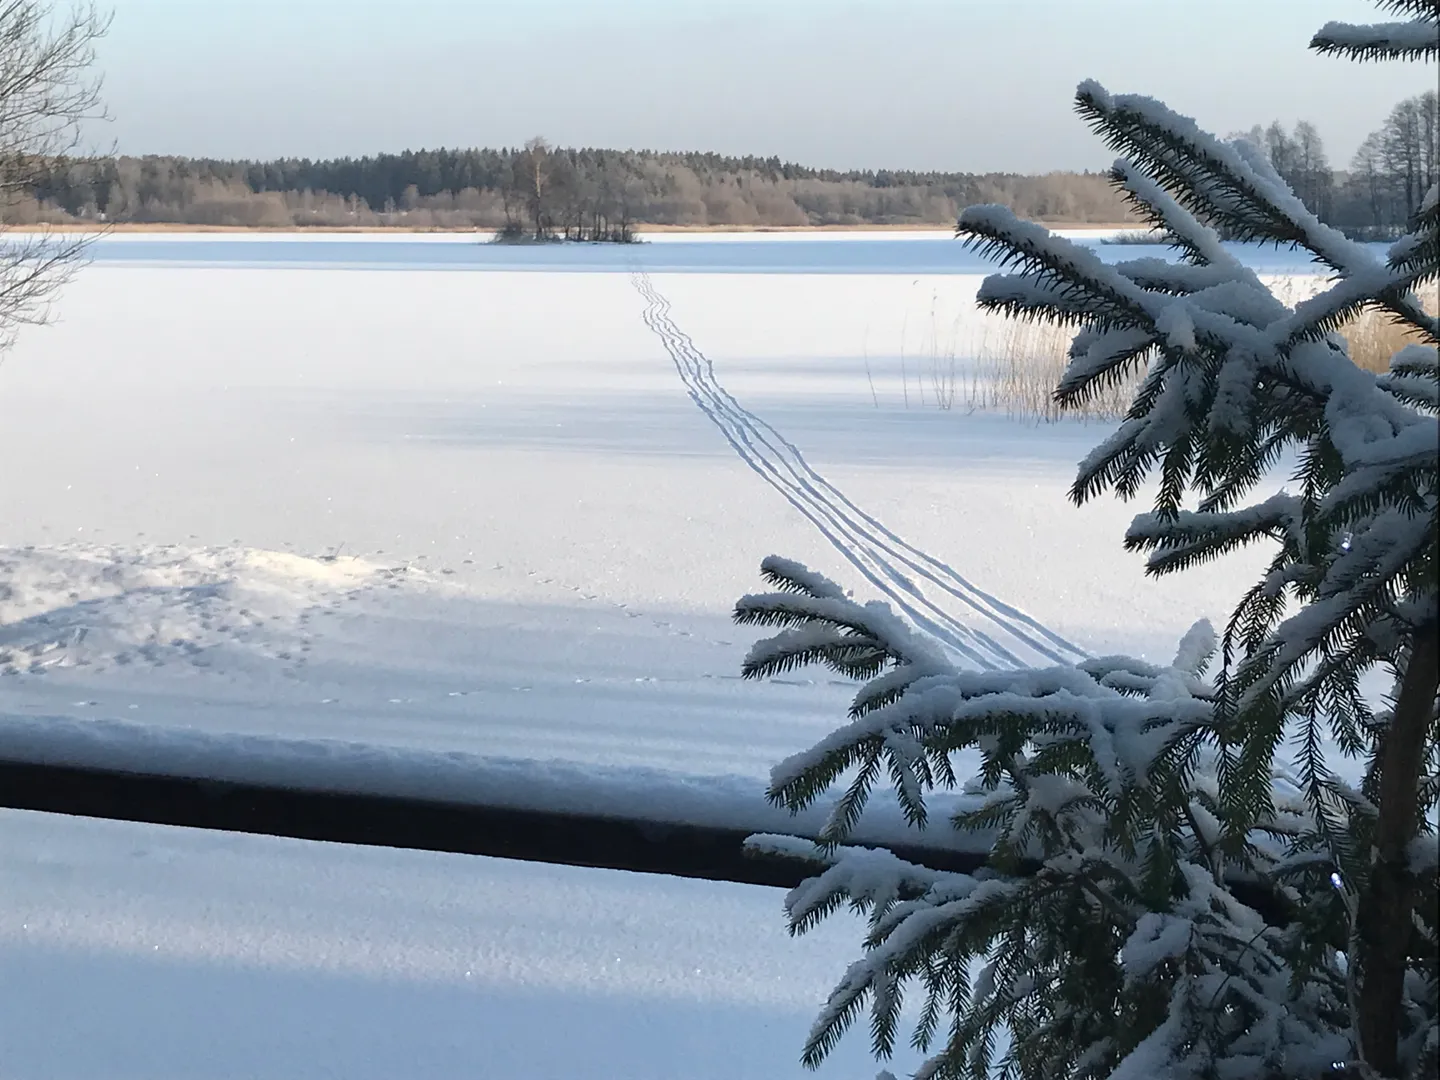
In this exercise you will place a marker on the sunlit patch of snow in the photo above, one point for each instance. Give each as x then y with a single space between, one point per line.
91 606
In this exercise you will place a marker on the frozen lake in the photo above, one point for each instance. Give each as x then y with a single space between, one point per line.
465 501
668 253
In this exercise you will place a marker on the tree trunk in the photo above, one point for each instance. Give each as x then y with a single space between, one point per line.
1385 917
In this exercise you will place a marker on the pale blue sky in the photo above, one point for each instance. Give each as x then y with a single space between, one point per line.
972 85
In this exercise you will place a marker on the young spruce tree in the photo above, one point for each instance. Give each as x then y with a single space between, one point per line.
1177 881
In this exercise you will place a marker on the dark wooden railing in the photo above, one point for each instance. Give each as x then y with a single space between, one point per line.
592 840
615 843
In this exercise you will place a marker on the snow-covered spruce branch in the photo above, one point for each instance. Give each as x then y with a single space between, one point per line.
1415 37
1110 858
1416 254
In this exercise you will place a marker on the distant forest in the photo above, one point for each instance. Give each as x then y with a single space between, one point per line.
490 188
594 193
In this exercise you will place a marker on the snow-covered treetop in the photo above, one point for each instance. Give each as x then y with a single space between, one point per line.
1163 895
1234 378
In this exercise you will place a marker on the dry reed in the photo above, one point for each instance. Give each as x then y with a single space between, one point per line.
1374 337
1013 367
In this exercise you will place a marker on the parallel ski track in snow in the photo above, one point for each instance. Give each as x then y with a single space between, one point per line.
904 574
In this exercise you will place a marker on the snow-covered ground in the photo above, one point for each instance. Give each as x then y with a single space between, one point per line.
475 509
140 953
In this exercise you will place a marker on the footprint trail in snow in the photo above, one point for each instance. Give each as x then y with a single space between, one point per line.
918 584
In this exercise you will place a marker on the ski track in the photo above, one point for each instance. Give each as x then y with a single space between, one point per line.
902 572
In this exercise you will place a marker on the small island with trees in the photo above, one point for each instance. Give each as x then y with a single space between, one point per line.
548 200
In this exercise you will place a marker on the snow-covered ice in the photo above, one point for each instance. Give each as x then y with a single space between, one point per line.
469 510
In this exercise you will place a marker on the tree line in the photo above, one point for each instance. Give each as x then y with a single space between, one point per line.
539 190
1387 178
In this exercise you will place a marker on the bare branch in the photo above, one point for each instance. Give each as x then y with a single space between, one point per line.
48 92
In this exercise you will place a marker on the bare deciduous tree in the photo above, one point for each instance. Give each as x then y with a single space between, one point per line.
1312 179
48 92
533 173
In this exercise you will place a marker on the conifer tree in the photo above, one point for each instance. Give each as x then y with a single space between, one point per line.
1180 881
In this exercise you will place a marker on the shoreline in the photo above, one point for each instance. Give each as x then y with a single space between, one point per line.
285 230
